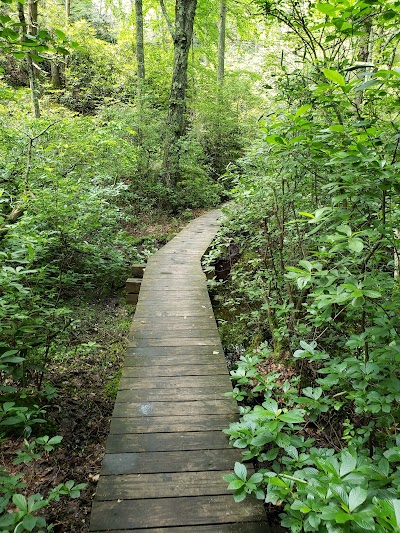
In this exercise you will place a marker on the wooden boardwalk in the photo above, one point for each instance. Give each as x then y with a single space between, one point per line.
166 453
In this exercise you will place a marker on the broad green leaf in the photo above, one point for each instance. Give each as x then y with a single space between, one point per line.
334 76
337 127
20 501
294 416
256 478
326 9
356 245
344 230
271 405
349 463
236 484
239 496
357 496
29 522
241 471
271 454
275 139
303 110
341 517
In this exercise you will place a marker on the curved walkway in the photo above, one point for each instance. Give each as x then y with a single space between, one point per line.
166 453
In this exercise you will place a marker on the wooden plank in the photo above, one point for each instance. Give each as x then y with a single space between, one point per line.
138 270
174 371
173 484
133 285
168 360
179 394
174 321
132 298
167 512
153 311
175 382
189 351
171 424
176 333
157 462
244 527
193 408
177 341
157 442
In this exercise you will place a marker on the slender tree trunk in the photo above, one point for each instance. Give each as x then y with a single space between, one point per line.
67 9
56 79
221 43
139 40
176 122
140 66
31 29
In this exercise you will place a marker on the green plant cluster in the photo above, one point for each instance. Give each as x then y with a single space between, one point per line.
317 217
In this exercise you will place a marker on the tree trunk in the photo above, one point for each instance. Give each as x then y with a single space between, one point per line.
140 67
221 43
31 29
67 9
139 40
176 122
56 78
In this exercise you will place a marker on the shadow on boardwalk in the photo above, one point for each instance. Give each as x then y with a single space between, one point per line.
166 453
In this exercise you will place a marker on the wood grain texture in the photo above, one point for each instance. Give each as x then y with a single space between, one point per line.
159 442
165 409
244 527
166 453
178 461
167 512
170 424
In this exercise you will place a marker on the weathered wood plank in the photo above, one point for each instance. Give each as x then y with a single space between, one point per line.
157 442
196 408
167 512
157 462
174 371
179 394
171 424
188 351
173 484
244 527
175 382
165 360
177 341
175 333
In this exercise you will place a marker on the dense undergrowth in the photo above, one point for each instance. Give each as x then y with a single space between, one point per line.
316 296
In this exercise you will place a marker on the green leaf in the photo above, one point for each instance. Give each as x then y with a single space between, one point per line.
356 245
341 517
326 9
29 522
60 34
335 77
236 484
256 478
295 416
357 496
271 454
239 496
349 463
303 110
271 405
20 501
241 471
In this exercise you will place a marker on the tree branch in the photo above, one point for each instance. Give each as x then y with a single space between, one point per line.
167 18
